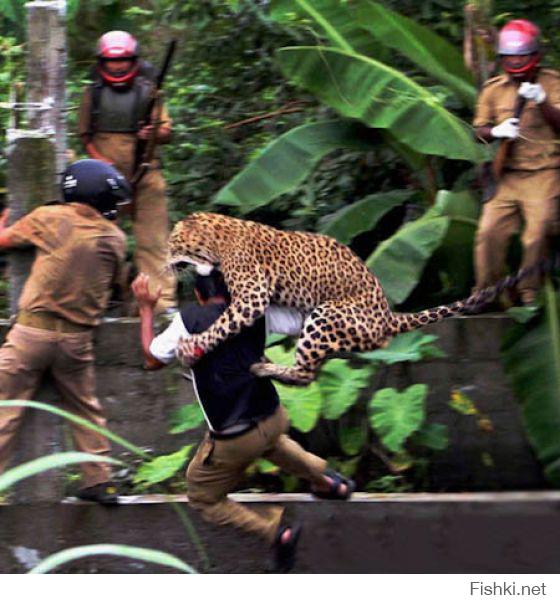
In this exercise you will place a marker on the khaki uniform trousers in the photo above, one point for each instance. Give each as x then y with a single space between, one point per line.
24 358
151 222
218 466
522 196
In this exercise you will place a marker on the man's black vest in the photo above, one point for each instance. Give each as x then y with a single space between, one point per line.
227 390
119 110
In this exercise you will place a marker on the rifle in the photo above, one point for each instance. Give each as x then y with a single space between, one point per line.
145 149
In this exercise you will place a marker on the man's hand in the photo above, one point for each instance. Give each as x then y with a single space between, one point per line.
145 133
507 129
532 92
141 290
163 134
189 351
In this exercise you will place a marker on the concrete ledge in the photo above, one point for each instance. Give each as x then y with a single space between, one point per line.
139 403
411 533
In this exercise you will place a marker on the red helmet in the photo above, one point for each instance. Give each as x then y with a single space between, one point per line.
520 37
117 45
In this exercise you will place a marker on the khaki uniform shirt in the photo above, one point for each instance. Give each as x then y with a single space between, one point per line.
80 255
119 147
536 149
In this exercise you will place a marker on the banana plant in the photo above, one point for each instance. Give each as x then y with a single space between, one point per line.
378 106
531 355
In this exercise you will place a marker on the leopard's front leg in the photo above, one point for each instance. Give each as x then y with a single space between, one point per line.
250 298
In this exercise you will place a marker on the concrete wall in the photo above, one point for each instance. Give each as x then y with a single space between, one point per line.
472 533
138 404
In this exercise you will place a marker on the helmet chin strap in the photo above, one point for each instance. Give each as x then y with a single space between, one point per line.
527 68
118 79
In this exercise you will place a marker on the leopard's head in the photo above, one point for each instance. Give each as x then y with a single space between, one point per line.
194 241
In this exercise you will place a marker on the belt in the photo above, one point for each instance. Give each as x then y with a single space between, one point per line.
50 322
235 434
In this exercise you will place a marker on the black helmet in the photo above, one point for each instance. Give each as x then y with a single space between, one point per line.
96 183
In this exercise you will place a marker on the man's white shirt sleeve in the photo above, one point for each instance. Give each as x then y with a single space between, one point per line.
164 346
284 320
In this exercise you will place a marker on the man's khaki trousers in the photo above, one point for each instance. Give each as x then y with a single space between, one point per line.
218 467
523 196
24 358
151 223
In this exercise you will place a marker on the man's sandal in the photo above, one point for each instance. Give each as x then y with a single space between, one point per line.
285 553
334 492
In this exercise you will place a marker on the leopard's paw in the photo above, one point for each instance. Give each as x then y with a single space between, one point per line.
189 352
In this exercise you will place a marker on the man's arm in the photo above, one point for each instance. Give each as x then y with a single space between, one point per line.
6 241
547 103
146 304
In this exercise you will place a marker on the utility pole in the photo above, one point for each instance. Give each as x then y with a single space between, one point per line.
36 154
36 158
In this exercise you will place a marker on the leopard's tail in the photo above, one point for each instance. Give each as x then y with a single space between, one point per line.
403 322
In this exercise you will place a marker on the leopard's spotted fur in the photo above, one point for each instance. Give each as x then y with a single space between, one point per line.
345 305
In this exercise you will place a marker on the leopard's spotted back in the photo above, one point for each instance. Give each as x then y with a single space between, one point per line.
345 305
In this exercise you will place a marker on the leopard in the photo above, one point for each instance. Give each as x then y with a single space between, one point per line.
344 306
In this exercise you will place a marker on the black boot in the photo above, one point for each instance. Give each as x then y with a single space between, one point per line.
104 493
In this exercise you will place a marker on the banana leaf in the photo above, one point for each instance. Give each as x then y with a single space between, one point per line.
398 262
286 162
110 549
432 53
531 355
454 258
362 215
381 97
50 462
334 19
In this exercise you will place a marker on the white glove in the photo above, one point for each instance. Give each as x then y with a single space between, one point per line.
507 129
532 92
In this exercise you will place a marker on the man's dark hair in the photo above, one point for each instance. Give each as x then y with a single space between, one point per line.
212 286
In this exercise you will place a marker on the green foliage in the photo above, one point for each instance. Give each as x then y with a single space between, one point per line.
153 556
79 421
429 51
186 418
395 416
339 396
432 436
302 404
50 462
363 215
399 261
340 385
382 97
531 355
410 346
286 162
161 468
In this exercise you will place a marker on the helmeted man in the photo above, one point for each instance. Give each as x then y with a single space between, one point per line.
528 189
110 126
79 256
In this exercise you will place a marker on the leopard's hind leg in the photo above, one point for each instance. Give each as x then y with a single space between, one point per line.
333 328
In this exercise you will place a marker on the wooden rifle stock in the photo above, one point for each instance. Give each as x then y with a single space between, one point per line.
145 149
